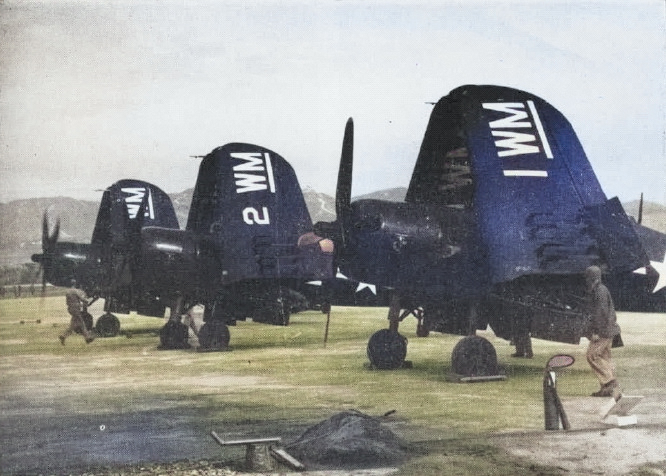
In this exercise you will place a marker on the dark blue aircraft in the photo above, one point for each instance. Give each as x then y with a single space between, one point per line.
107 267
502 216
247 251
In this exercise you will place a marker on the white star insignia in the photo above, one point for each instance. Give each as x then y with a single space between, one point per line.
371 287
361 286
339 275
660 267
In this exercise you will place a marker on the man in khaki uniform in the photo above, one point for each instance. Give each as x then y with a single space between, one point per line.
76 305
602 328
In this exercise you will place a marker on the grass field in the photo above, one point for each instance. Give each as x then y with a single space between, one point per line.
286 374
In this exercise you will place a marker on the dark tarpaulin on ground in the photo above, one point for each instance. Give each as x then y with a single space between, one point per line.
349 439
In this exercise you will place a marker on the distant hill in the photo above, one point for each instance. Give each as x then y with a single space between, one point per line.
181 203
21 220
391 194
21 225
654 215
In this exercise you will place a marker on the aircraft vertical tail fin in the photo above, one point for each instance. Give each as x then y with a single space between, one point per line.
514 161
120 207
249 203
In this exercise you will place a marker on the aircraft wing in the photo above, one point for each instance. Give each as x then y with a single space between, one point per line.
644 289
516 163
653 241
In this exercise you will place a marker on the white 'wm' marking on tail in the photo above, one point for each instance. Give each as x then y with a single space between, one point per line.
512 143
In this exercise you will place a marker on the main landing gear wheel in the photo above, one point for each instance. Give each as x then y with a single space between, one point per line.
108 325
387 349
474 356
214 335
174 336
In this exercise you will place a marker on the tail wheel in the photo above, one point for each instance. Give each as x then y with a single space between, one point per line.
421 330
214 335
474 356
108 325
387 349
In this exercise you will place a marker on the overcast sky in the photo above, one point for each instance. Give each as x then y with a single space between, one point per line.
93 92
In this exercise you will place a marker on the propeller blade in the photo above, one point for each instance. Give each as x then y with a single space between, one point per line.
45 232
49 240
336 230
344 186
640 210
56 233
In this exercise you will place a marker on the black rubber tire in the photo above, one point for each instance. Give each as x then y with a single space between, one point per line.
474 356
214 335
387 350
174 336
107 325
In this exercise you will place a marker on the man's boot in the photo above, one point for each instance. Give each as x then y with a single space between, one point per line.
606 389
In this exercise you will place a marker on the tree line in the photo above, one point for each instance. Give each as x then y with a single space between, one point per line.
23 274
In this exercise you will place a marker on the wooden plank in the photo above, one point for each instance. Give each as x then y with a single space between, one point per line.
622 406
255 441
284 457
482 378
619 420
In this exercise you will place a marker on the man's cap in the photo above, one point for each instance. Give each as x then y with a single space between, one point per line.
593 272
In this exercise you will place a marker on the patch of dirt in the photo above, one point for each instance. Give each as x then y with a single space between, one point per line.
614 451
592 446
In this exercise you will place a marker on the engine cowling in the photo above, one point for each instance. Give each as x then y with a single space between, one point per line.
178 261
385 239
66 262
